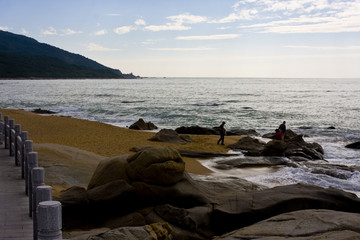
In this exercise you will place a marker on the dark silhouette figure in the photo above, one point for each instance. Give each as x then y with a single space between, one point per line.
282 128
222 133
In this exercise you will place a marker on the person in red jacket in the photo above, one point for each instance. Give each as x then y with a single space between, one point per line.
278 135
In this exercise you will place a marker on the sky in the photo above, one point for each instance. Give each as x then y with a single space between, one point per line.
199 38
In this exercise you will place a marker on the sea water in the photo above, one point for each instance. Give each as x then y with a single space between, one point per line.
309 106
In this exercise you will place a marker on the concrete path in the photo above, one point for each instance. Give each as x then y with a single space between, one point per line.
15 222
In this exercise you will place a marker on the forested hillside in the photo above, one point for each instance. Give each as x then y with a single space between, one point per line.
24 57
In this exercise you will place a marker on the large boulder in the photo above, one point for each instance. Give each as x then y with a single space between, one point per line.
170 136
43 111
188 152
73 196
152 187
185 193
274 148
109 170
196 219
243 162
156 165
75 207
355 145
202 154
131 219
302 225
142 125
248 143
288 135
241 209
118 190
243 132
160 231
196 130
296 146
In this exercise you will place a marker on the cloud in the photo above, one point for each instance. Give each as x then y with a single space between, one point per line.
350 48
182 49
65 32
306 24
209 37
187 19
167 27
178 23
24 32
49 31
124 29
69 31
295 16
100 32
246 14
93 47
140 22
4 28
152 41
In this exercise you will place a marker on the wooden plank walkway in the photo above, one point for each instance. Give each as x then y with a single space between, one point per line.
15 222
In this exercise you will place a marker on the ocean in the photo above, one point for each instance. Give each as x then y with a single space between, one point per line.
309 106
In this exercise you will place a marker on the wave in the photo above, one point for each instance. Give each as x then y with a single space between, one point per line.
206 104
138 101
232 101
103 95
247 108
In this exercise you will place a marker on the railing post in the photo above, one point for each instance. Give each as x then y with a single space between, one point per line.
28 149
1 129
43 193
32 163
37 179
17 134
11 127
49 220
24 136
6 132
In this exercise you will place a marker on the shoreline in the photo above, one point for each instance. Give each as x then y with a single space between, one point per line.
104 140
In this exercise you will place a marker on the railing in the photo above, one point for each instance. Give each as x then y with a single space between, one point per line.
46 214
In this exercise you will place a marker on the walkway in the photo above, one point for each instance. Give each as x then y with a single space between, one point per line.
15 222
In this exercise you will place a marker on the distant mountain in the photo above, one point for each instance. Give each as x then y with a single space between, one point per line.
24 57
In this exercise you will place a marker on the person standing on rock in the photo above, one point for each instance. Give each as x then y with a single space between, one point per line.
222 133
282 128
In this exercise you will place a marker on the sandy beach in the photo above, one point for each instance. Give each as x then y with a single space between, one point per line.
73 147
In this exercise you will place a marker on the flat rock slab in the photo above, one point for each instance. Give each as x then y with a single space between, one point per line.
304 225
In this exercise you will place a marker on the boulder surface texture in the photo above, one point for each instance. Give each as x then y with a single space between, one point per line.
149 195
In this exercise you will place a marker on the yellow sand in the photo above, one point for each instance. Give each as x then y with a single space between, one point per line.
51 135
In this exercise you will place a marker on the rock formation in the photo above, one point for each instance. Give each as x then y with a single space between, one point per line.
127 194
355 145
304 225
196 130
170 136
294 147
142 125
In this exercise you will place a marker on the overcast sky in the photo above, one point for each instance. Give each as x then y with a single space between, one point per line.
199 38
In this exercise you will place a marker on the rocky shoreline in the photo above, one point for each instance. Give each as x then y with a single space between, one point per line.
142 185
151 189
